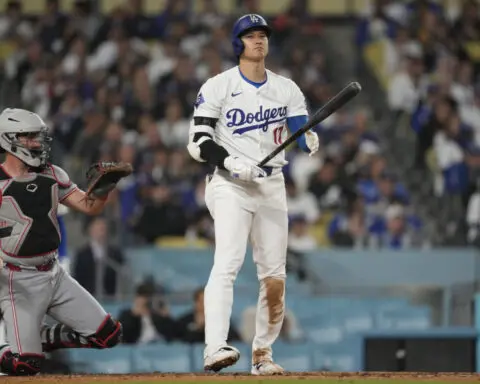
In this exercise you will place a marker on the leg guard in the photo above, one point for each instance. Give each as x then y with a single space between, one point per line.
108 334
60 336
26 364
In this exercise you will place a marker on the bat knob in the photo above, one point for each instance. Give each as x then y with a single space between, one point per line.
356 85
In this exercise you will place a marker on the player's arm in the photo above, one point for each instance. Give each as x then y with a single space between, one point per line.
297 116
72 196
202 146
79 201
294 123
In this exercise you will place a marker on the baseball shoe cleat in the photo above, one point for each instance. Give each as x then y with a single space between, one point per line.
223 358
267 367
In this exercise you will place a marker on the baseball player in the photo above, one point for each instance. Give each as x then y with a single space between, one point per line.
32 283
240 116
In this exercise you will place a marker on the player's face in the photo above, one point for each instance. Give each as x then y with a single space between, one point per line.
256 45
30 141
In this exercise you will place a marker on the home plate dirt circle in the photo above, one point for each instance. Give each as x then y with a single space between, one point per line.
318 376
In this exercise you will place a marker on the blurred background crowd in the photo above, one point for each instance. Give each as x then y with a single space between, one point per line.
120 86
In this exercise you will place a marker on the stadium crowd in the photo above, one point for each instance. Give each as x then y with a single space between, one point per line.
432 73
121 86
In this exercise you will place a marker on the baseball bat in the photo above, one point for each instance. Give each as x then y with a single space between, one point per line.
335 103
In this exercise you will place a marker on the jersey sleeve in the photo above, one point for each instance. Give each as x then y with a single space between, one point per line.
65 186
297 105
202 145
208 103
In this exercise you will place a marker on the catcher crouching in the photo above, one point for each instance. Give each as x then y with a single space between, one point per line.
32 283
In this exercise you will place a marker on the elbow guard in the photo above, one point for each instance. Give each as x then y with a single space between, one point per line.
194 149
202 148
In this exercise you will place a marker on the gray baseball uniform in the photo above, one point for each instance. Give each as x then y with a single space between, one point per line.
32 283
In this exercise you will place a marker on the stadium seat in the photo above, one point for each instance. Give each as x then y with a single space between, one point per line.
341 357
404 318
114 308
161 358
293 357
115 360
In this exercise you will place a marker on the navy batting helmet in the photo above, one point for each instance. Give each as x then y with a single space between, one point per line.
245 24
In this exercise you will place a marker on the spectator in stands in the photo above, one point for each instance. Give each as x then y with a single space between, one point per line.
201 228
467 25
430 115
300 241
389 190
13 23
97 264
378 23
191 326
173 128
393 231
349 228
299 238
301 203
161 215
53 25
148 320
407 87
450 145
324 185
470 114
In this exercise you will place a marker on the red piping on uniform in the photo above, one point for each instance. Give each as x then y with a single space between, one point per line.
24 232
26 257
14 312
56 179
69 193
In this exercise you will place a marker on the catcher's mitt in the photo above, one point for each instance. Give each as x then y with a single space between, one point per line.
103 177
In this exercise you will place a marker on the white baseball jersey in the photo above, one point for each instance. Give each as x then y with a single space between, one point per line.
251 121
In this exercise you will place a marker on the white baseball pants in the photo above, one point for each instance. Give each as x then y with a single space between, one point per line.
243 211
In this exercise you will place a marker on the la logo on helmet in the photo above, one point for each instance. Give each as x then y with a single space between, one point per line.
254 19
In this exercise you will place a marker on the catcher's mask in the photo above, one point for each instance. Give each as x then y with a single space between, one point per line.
25 135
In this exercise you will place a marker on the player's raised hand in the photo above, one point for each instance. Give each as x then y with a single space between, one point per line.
242 169
311 139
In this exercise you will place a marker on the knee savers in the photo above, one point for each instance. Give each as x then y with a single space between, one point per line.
108 334
26 364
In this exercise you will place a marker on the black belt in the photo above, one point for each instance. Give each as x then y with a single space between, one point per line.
267 169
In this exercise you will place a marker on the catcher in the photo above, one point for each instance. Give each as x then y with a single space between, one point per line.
32 283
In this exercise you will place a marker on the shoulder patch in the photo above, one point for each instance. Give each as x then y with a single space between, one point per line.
200 100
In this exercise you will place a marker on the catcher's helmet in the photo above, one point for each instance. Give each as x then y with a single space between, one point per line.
15 122
245 24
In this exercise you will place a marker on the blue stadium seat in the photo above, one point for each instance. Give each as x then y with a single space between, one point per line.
115 360
160 357
339 357
293 357
177 310
324 334
114 308
404 318
243 365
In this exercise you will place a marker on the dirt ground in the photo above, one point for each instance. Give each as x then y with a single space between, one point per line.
159 377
